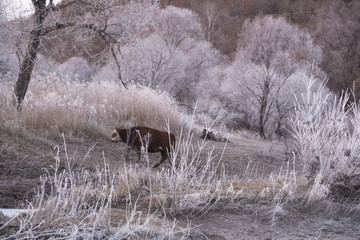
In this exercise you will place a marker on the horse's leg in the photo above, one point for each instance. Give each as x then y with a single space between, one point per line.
139 154
138 151
127 156
163 158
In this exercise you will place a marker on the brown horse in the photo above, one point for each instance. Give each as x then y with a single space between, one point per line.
152 139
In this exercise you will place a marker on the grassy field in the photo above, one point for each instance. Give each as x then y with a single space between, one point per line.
58 162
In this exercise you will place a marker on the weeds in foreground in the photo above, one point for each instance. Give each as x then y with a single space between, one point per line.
328 142
76 203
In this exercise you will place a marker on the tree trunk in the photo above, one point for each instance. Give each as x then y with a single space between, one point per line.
261 118
263 106
26 69
28 62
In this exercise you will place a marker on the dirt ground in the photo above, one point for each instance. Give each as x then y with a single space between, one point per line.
240 225
24 157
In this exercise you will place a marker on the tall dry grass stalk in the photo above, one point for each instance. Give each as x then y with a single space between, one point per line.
327 137
55 104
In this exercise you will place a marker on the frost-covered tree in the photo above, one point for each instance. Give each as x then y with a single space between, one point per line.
2 20
175 57
270 53
2 10
6 58
138 41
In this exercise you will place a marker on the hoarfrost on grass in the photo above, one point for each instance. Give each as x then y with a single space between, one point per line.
70 105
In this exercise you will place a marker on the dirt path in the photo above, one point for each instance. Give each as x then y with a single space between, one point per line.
239 152
240 225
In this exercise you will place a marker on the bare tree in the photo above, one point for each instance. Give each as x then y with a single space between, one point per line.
270 51
2 20
42 10
210 17
85 19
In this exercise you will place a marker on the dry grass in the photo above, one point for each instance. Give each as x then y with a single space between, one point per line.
77 203
54 105
327 140
194 183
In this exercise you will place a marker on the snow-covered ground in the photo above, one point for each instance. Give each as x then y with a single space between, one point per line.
12 212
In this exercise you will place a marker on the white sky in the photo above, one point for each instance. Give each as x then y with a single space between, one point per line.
17 8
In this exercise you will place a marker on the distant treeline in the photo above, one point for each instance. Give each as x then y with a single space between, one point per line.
334 24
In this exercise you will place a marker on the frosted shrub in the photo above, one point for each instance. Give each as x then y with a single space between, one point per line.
73 68
5 93
60 104
76 66
327 139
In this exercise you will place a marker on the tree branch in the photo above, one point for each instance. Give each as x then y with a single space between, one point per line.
57 26
110 40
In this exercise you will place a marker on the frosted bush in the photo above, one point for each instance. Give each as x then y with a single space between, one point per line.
5 93
327 136
8 67
78 66
108 72
73 68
